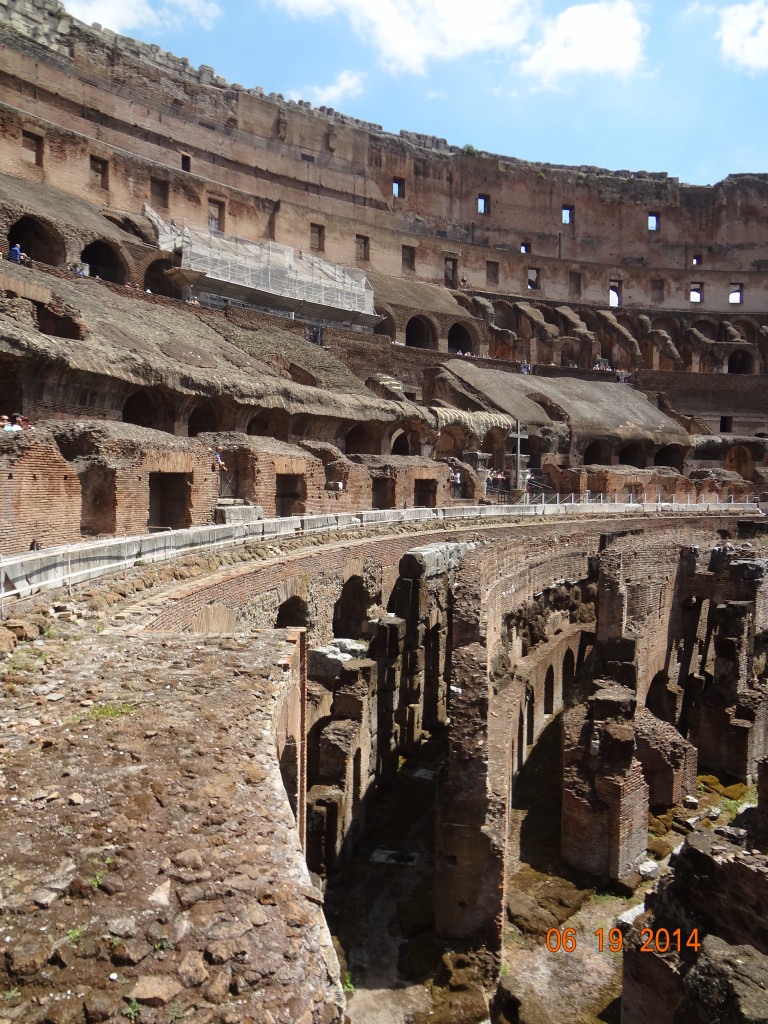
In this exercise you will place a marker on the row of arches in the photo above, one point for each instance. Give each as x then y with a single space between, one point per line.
422 331
407 437
100 258
665 342
350 610
637 454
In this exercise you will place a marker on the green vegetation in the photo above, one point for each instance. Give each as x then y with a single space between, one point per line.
470 150
12 993
348 983
102 711
132 1011
75 934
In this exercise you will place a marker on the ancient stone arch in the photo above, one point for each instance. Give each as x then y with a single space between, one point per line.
157 282
671 455
460 338
387 326
39 240
202 419
145 409
292 612
105 260
363 439
421 332
598 453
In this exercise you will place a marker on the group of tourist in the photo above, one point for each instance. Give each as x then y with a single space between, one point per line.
15 422
497 480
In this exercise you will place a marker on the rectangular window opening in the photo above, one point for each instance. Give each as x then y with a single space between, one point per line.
736 294
409 258
186 162
362 247
696 261
574 284
726 424
158 192
398 188
451 272
697 291
525 247
567 215
614 293
653 222
491 272
32 148
534 278
215 215
317 237
484 205
99 172
657 289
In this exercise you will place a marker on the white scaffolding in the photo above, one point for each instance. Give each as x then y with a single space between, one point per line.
265 273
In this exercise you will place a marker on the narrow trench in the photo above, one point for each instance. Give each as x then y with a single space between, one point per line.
379 904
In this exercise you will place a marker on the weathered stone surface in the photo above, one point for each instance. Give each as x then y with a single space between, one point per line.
155 991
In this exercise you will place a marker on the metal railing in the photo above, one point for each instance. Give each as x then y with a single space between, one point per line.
65 566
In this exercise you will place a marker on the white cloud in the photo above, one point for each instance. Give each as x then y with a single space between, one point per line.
408 34
697 9
347 83
596 38
126 15
743 35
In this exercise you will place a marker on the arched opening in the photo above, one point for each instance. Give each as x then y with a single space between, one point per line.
202 420
141 410
38 240
597 454
451 442
739 460
400 444
386 326
741 362
529 721
364 439
569 676
104 261
633 455
671 455
351 610
707 328
659 699
289 772
420 333
504 316
269 423
549 692
292 612
156 280
459 339
494 443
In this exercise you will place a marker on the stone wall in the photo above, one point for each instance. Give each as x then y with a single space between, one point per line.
192 115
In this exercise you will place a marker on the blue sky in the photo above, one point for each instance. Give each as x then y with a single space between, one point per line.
648 85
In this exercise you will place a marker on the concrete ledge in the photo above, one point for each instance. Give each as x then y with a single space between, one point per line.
32 572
